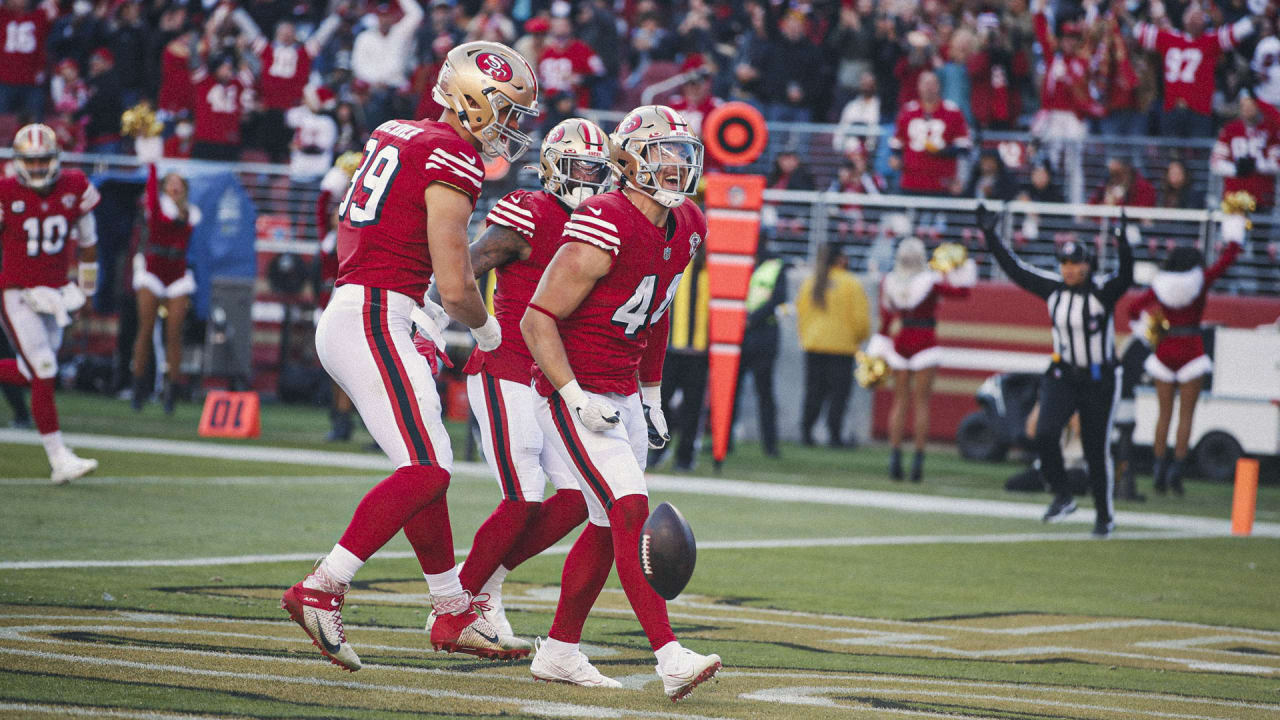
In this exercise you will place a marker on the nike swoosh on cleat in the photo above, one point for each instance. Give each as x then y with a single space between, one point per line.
324 641
493 639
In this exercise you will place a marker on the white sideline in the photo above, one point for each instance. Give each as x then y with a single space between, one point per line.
777 492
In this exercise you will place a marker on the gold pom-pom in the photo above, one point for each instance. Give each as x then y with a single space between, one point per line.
948 257
872 370
348 162
140 121
1240 203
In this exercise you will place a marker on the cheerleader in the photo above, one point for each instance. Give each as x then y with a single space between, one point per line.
161 278
1179 362
910 292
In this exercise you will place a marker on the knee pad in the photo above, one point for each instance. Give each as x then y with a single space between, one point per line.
425 483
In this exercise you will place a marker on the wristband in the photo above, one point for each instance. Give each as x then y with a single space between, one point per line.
87 277
572 394
651 395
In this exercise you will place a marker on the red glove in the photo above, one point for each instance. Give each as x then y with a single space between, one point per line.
429 351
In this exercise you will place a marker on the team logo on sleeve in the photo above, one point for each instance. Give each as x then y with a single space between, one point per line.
494 66
68 201
19 206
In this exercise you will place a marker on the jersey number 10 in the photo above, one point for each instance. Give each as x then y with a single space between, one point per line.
373 177
48 237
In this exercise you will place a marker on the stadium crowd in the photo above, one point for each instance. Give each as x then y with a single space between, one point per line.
303 81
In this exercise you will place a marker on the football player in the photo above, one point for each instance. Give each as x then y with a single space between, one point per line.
522 234
405 213
41 207
597 329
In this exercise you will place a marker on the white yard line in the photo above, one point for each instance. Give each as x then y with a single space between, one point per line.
776 492
564 549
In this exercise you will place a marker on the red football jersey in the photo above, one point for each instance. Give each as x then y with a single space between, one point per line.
539 218
1260 142
22 52
285 70
558 66
606 336
1189 62
35 228
923 137
382 220
176 92
1066 79
219 107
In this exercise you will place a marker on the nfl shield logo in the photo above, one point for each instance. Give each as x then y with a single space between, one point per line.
68 200
666 253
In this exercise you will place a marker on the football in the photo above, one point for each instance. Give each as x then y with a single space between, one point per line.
667 551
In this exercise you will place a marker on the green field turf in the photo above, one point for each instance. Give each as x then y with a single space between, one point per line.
839 611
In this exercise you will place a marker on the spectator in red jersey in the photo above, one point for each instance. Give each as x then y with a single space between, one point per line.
568 64
534 41
1189 59
22 57
1247 154
991 76
1118 85
285 71
101 113
695 100
1125 186
1065 102
931 136
176 95
921 57
220 102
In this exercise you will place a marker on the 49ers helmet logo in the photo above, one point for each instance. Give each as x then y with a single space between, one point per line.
630 124
494 66
556 135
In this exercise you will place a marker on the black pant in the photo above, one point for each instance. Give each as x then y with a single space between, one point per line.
760 365
686 372
272 134
1064 392
828 380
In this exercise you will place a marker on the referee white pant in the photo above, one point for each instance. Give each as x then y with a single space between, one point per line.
512 440
363 340
607 465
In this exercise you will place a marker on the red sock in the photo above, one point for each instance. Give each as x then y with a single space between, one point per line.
495 538
627 517
10 374
585 571
389 505
556 518
431 536
43 410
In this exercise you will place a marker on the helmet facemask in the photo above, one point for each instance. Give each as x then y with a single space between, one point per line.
574 179
670 168
37 172
502 136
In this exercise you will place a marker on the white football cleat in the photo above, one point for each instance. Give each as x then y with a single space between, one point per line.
571 671
320 615
68 466
686 672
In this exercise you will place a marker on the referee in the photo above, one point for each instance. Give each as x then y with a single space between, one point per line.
1084 375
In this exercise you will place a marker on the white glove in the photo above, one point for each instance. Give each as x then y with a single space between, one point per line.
651 400
1233 227
489 335
72 297
594 412
880 345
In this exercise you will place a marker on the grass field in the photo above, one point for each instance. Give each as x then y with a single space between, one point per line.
151 591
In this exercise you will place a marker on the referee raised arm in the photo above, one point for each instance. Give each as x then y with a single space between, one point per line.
1084 374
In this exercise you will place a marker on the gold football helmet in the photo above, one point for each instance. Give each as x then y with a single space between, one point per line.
36 157
577 161
658 155
491 88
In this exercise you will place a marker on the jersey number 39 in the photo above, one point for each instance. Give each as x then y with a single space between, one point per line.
373 177
638 312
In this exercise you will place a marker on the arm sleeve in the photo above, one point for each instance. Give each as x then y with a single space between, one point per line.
1040 23
655 352
87 229
1230 35
1024 276
1224 261
1123 279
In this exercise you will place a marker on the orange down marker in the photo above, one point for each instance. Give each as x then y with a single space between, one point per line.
733 229
1245 502
230 414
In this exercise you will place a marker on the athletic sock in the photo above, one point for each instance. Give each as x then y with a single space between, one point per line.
431 536
386 508
10 374
558 649
557 516
585 571
627 517
493 585
496 537
444 585
43 410
53 444
340 565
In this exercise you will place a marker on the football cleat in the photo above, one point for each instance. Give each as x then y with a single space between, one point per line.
576 670
465 630
68 466
320 615
687 671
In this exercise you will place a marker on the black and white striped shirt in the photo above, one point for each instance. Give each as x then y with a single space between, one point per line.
1082 316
